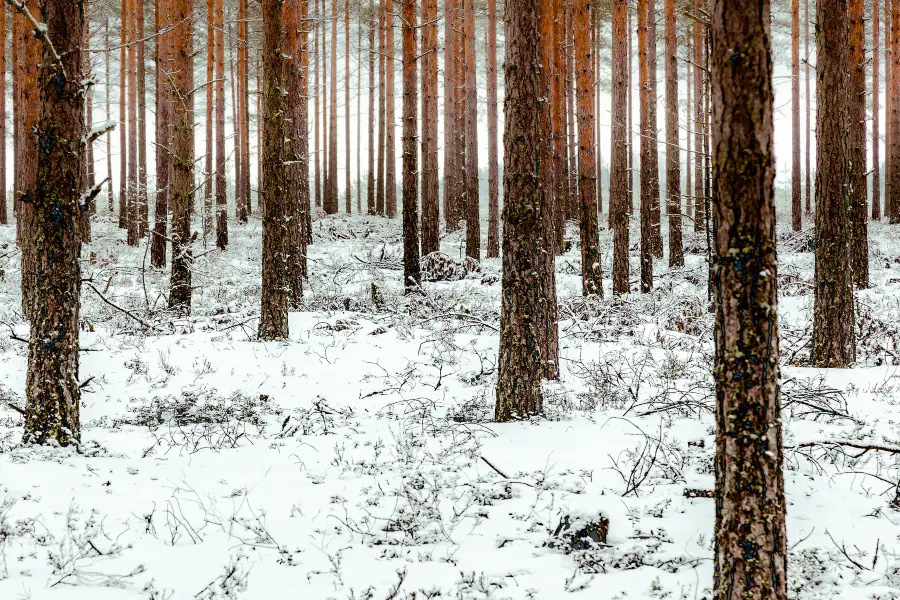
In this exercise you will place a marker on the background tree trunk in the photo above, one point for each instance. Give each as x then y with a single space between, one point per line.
221 185
493 244
123 118
619 174
3 210
134 213
182 154
273 320
412 275
382 111
893 209
750 504
431 232
390 156
450 217
859 196
143 204
876 116
210 87
808 109
370 188
834 343
699 146
643 30
52 386
473 204
796 199
655 196
347 172
296 134
163 138
673 141
110 200
519 363
244 91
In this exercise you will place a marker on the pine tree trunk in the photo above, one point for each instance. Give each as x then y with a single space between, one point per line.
558 212
859 196
632 188
750 503
88 176
619 173
699 146
390 155
643 31
450 217
221 184
431 227
673 141
243 203
459 197
833 314
893 210
876 116
163 138
143 204
370 188
317 176
332 207
796 200
134 223
182 154
109 181
296 170
412 275
123 118
235 112
359 56
689 155
52 386
808 108
591 265
655 208
493 244
210 132
382 107
473 203
273 319
347 172
3 211
888 101
571 184
519 363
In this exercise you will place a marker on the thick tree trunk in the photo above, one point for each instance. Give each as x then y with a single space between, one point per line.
317 176
591 265
123 117
110 200
182 154
431 208
876 116
689 155
273 319
296 144
332 207
459 197
629 50
493 243
558 203
796 200
750 503
520 360
647 132
619 173
370 188
808 108
699 138
893 209
134 211
221 185
859 196
235 111
450 217
656 242
473 204
52 386
3 211
571 159
390 155
244 203
673 141
143 204
412 275
382 108
347 172
210 87
888 100
163 138
834 343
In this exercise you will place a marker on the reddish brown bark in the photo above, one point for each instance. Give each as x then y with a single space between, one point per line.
673 141
619 174
876 116
796 201
382 107
347 172
647 134
3 211
163 134
244 202
123 117
221 185
390 155
431 232
699 121
473 204
859 196
143 205
450 216
370 188
493 243
412 275
134 223
210 137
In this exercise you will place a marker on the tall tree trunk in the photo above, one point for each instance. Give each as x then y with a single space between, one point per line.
520 360
382 107
572 210
450 217
244 206
370 188
750 503
619 173
332 137
317 176
143 205
894 155
359 56
210 109
221 184
632 188
643 31
888 100
808 107
834 343
52 386
3 211
123 118
473 203
296 169
859 196
493 244
412 274
699 139
673 141
347 172
134 223
109 178
164 74
460 197
235 111
431 227
796 200
655 208
876 116
326 123
182 154
591 265
273 320
689 155
390 155
559 210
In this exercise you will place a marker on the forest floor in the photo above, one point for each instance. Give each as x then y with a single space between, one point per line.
359 460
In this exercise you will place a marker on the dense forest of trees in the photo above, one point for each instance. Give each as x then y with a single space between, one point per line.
187 63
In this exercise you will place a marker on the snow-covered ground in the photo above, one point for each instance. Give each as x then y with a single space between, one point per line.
359 460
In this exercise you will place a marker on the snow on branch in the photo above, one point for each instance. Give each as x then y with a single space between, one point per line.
40 29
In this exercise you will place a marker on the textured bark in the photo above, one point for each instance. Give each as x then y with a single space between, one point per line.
331 207
52 393
519 363
450 216
893 207
473 204
459 197
571 158
28 57
235 108
834 343
656 242
750 536
699 138
412 275
591 265
673 141
273 320
796 199
317 176
134 223
689 155
646 143
493 243
221 185
359 57
163 136
210 137
558 202
619 174
243 202
876 116
888 100
859 195
182 154
632 188
110 200
808 107
370 188
431 226
390 154
296 169
3 210
382 107
140 49
123 117
347 172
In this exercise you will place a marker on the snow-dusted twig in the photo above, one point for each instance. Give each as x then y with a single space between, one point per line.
40 29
